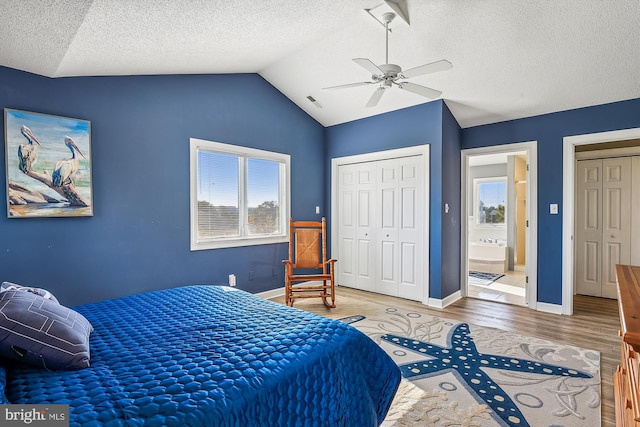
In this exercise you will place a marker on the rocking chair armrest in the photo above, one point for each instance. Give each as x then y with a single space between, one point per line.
286 262
330 261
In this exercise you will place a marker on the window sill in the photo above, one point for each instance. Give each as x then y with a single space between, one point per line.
234 243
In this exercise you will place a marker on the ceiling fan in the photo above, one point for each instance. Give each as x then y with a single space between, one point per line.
387 75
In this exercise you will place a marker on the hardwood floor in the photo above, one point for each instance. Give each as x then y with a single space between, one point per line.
594 325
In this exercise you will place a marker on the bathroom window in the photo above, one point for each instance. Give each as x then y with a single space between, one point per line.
490 201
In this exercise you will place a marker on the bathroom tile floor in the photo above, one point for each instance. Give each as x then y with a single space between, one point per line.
510 288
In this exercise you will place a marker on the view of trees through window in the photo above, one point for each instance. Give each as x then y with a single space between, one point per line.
224 221
491 197
263 183
264 219
220 193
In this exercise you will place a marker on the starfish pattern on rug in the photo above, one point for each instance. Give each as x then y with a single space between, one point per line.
463 359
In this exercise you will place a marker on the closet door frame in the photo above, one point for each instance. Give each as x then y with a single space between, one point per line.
569 145
420 150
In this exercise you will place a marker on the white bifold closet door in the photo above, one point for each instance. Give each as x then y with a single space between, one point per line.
603 223
381 226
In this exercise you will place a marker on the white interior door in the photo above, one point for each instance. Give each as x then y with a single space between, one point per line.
589 227
603 224
635 212
347 267
387 226
616 215
410 228
365 222
356 247
381 226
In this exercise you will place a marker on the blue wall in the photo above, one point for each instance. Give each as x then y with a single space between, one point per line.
451 190
138 238
549 131
419 125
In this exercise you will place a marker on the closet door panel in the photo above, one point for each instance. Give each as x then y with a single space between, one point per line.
365 227
616 233
347 222
410 228
635 211
588 233
387 232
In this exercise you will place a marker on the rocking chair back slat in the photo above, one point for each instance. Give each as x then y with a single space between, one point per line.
307 243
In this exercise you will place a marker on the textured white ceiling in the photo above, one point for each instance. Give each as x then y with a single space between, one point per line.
511 58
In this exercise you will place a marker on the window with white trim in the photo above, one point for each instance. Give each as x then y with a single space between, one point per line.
239 196
490 204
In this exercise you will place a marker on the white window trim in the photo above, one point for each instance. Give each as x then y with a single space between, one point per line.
195 145
476 201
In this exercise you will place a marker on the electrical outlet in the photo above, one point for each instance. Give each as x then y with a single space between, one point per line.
232 280
317 210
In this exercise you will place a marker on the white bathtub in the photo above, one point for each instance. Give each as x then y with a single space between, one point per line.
488 257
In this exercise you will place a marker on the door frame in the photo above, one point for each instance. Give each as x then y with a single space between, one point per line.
531 147
568 200
418 150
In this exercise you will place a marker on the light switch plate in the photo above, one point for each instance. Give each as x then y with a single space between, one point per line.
553 209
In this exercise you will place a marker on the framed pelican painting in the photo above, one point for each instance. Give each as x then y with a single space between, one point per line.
48 164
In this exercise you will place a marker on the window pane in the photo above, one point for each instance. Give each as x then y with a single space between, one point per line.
218 214
263 201
491 202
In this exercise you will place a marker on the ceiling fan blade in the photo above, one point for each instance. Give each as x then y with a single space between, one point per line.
375 98
369 66
432 67
420 90
347 85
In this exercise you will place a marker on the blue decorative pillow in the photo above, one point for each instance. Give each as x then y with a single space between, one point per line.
8 286
40 332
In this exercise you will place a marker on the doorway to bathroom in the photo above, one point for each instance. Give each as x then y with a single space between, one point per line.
497 223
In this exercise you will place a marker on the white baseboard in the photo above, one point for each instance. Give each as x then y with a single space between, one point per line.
442 303
549 308
272 293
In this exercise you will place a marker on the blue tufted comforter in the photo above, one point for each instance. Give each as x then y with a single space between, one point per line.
216 356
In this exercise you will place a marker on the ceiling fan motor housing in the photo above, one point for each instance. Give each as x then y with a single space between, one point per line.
391 72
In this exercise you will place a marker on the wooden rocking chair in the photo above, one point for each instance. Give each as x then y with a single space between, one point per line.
308 251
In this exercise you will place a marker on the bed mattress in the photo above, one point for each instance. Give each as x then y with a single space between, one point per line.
216 356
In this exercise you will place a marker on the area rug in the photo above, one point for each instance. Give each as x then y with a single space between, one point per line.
482 278
456 374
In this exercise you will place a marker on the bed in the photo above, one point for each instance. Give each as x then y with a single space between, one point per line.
215 356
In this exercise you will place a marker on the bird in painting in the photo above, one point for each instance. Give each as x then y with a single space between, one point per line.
65 170
28 153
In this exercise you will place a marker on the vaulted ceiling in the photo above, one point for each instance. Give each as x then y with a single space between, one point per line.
511 58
